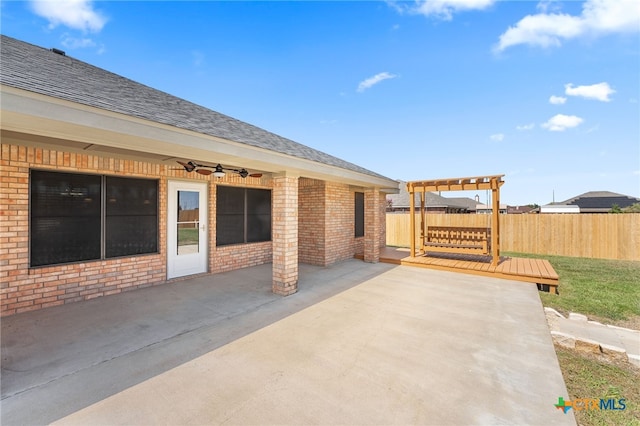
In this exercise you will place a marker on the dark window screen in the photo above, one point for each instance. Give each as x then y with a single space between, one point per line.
65 217
359 214
258 215
229 215
243 215
131 216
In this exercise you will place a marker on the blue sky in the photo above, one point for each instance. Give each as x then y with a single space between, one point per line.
545 92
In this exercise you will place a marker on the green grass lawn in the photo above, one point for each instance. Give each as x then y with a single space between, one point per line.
187 236
607 291
589 377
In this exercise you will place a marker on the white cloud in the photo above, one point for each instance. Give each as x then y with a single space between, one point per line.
498 137
529 126
77 43
372 81
76 14
598 17
561 122
557 100
198 57
548 6
442 9
600 91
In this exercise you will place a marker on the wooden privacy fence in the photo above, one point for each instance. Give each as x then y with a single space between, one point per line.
605 236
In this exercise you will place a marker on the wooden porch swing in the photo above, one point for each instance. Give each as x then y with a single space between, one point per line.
449 239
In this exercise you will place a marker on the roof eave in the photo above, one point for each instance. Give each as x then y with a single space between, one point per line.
36 114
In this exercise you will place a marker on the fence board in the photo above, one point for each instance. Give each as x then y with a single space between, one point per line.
605 236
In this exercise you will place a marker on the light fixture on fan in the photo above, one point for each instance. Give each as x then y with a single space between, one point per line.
218 171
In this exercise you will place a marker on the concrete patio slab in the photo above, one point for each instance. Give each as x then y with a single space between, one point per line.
358 344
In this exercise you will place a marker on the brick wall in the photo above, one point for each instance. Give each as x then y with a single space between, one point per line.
236 256
340 223
383 222
285 234
322 235
311 221
326 232
24 289
372 224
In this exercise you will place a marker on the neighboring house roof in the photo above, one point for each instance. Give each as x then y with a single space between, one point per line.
519 209
490 207
432 200
35 69
600 201
463 202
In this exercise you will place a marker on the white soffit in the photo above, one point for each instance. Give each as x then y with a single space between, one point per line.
34 114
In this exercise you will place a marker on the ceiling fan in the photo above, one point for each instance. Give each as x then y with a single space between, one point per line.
218 171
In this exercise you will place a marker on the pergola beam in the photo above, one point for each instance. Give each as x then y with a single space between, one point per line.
458 184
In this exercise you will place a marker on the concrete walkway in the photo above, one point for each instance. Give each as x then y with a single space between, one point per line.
610 340
358 344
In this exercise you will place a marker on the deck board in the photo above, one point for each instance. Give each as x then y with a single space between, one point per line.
537 271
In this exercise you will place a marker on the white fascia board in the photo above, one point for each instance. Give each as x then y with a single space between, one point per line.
32 113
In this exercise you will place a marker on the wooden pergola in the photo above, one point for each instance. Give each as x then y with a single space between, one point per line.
492 183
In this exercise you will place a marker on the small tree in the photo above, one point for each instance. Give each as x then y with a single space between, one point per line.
615 209
633 208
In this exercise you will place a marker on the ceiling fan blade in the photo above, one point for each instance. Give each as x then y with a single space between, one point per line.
204 172
189 167
255 175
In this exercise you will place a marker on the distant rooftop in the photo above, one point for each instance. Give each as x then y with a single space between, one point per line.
600 201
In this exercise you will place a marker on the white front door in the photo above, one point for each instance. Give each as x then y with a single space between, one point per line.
186 229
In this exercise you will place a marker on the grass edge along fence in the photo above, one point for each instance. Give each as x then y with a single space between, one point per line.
602 236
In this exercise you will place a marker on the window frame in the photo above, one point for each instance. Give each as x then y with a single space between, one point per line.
358 214
247 236
101 217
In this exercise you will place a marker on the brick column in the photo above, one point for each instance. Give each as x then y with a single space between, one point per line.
285 234
372 225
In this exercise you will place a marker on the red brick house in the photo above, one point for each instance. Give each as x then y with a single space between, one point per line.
93 200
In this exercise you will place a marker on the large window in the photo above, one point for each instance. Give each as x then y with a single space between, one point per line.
131 216
359 214
78 217
243 215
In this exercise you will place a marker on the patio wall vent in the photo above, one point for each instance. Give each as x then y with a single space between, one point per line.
58 51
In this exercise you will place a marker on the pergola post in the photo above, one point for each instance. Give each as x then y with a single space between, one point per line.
412 220
495 224
423 222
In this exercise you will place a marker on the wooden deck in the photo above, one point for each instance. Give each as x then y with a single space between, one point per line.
537 271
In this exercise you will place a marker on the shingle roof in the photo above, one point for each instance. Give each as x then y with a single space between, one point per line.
600 200
432 199
32 68
465 202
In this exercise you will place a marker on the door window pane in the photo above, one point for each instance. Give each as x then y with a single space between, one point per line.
188 225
